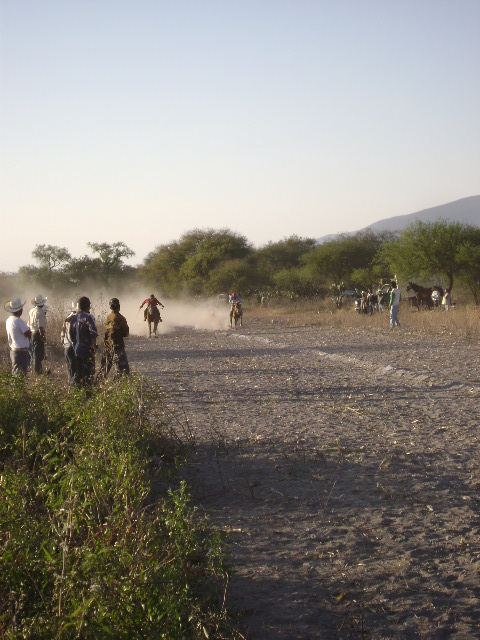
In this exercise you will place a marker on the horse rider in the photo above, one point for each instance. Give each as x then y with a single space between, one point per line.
233 298
151 302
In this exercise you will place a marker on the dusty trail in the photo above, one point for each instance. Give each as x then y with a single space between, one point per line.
345 464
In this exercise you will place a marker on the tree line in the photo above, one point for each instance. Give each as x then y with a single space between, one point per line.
206 262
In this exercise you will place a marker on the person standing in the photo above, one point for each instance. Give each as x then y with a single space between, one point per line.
446 300
83 336
37 321
67 344
114 345
19 335
395 297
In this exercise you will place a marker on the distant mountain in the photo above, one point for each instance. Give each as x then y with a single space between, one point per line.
465 211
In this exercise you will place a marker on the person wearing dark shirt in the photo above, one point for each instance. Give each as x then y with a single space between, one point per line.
66 343
83 336
114 345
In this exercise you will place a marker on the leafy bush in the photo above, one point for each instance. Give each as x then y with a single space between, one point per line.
84 553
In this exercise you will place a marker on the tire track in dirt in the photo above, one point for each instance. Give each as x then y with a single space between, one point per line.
345 466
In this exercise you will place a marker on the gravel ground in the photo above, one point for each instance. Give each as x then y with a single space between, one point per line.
343 463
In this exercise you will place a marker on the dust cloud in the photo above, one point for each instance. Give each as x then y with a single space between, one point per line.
177 313
199 314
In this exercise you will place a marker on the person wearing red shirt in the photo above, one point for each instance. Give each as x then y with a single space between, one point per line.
153 303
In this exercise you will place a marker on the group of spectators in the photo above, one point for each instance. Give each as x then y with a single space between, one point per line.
78 336
370 301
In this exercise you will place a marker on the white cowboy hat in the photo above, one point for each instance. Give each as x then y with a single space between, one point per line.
39 300
14 305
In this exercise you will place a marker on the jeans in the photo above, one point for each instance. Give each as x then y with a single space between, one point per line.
70 360
84 369
394 316
37 350
20 362
117 357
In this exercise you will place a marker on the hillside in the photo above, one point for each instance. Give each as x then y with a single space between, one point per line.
465 210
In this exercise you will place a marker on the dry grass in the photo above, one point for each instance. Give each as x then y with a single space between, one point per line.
462 321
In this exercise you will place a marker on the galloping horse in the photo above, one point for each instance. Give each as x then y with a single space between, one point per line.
236 314
153 316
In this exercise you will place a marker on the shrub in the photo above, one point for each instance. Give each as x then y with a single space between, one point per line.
84 552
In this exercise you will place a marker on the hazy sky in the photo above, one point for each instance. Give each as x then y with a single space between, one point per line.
139 120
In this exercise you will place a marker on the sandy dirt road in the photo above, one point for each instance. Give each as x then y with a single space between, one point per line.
344 463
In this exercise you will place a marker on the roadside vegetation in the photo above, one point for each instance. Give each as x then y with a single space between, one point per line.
462 321
89 549
203 263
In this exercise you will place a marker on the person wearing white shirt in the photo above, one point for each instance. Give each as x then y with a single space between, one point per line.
18 334
37 321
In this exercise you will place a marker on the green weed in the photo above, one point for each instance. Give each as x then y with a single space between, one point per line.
86 552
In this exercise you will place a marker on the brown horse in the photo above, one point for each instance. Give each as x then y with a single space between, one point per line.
153 317
236 314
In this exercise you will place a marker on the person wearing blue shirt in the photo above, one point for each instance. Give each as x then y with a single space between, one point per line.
83 335
234 297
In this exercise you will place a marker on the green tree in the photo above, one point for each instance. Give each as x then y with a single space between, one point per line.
335 261
285 254
430 250
276 257
189 264
51 257
229 275
468 256
81 270
51 262
111 257
296 282
213 248
161 268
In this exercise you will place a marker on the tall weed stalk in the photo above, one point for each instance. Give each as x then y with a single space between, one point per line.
83 553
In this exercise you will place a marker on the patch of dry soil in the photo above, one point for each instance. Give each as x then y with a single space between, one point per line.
345 464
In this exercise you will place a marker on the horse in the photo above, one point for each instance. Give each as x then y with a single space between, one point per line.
153 317
383 299
422 294
236 314
426 296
